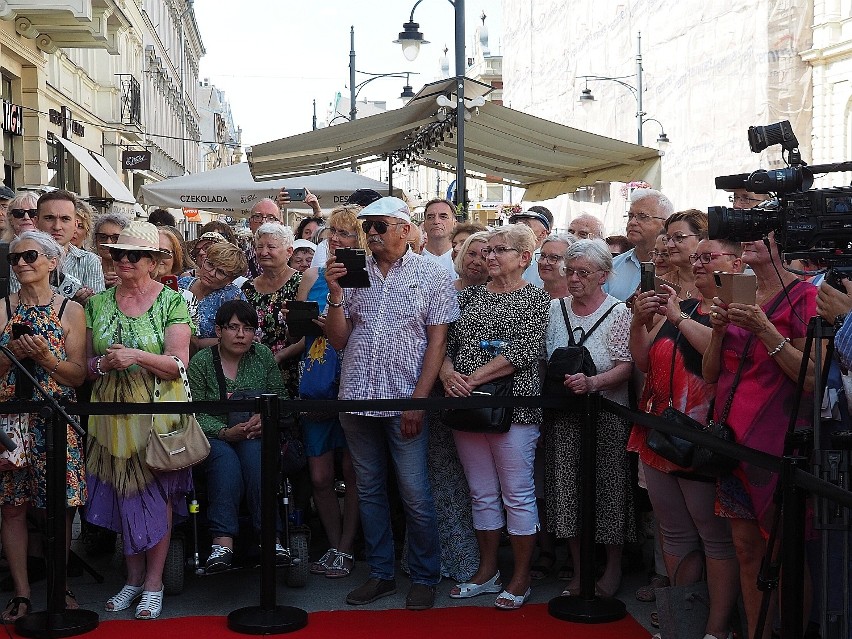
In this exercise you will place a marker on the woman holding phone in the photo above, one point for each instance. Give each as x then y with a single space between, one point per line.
322 433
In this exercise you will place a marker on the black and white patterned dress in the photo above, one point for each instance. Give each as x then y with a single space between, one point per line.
608 345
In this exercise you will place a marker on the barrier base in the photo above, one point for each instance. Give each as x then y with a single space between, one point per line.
68 623
255 620
581 610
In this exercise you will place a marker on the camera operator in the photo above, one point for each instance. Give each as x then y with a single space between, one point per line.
835 307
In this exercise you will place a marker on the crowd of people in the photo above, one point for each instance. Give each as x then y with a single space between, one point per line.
146 317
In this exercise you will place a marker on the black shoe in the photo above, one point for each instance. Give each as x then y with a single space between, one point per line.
373 589
220 559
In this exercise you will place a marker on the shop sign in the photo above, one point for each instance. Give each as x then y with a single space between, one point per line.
135 160
13 118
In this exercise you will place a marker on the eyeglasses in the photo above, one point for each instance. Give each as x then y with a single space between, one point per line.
679 238
499 251
380 225
29 257
550 258
705 258
343 235
20 213
207 265
132 256
743 198
238 328
663 255
642 217
257 217
112 238
580 272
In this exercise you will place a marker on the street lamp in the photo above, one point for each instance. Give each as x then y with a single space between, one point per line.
410 38
587 97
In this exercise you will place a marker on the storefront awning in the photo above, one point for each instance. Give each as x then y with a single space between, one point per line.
507 146
97 166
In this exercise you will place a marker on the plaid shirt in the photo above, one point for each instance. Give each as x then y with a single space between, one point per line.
385 351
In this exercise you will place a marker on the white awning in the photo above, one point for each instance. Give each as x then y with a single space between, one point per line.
97 166
502 144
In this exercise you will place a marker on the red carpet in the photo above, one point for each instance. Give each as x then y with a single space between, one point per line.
473 622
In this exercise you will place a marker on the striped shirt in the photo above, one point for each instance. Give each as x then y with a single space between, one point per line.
385 351
85 266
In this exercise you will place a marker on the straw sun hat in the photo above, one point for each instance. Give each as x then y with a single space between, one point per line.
138 236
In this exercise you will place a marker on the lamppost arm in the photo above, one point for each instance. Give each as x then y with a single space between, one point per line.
619 80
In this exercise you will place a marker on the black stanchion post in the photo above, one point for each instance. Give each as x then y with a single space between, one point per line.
587 607
268 618
56 621
792 550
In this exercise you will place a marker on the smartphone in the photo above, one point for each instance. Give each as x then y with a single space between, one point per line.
300 316
739 288
171 281
355 261
646 278
296 195
19 329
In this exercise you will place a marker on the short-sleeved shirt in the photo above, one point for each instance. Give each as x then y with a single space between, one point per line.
385 350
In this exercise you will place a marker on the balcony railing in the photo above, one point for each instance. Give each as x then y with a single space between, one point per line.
131 100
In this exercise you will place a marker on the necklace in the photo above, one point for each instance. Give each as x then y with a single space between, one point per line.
141 291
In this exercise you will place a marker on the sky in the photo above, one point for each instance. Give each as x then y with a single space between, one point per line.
274 57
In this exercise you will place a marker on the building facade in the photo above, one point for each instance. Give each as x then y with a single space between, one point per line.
221 139
111 77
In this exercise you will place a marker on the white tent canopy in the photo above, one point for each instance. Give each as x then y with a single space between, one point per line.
233 188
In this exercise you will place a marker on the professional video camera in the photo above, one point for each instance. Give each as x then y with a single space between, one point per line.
808 224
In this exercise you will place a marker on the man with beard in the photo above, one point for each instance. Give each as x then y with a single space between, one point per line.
649 209
395 335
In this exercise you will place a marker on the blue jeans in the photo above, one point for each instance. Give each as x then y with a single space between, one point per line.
369 439
232 471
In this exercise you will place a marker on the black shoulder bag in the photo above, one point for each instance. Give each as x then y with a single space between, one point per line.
570 360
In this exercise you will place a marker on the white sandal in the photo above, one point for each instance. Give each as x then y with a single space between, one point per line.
124 598
152 603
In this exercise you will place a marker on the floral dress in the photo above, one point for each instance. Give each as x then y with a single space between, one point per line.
30 484
272 325
124 494
205 309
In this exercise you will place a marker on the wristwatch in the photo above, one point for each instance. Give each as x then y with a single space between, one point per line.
839 319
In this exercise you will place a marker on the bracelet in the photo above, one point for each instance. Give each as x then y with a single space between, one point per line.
683 316
55 368
98 366
778 348
334 304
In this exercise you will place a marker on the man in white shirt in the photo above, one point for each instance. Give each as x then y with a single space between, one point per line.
439 220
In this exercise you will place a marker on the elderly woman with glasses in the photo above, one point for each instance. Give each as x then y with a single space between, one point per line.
47 333
667 340
588 264
269 293
683 231
213 287
322 433
551 260
198 250
138 346
106 230
500 332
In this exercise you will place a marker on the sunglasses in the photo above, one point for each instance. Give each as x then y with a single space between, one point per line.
132 256
380 225
29 257
103 238
20 213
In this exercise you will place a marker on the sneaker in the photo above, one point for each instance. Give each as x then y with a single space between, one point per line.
282 555
220 559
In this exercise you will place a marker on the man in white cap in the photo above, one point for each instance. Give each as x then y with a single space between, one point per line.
540 221
395 335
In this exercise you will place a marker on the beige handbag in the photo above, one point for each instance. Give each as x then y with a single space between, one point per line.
181 448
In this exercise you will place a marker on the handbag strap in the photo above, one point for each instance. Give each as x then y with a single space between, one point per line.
674 353
182 373
781 296
590 331
220 373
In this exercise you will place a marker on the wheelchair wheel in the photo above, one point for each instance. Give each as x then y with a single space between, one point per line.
173 571
297 575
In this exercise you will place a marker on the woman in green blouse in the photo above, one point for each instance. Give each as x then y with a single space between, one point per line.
233 467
